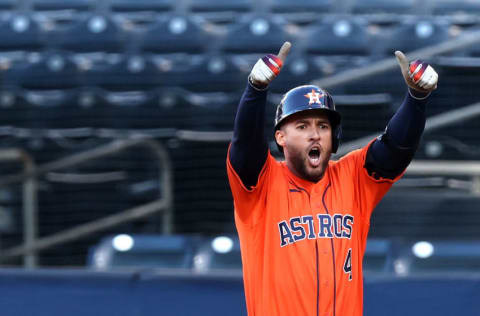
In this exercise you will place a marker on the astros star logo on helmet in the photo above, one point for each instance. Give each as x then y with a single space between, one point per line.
314 97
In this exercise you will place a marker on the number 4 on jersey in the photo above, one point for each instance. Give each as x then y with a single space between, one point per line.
347 266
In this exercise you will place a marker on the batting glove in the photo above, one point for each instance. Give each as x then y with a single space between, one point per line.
418 75
268 67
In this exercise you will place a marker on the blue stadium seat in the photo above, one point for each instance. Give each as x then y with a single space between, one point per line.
413 35
380 6
444 256
218 253
300 69
378 257
176 34
140 251
129 72
297 6
15 109
8 4
21 32
142 110
141 5
95 33
363 115
460 75
473 51
211 73
338 36
163 108
53 70
53 5
255 34
221 6
458 141
182 109
453 7
39 108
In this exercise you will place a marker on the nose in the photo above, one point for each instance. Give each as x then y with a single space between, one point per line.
315 133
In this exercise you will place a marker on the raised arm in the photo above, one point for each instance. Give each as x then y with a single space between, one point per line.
249 149
391 153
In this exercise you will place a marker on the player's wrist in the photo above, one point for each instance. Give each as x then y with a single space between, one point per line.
256 84
418 95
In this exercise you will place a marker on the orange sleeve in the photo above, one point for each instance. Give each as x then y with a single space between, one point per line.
250 203
368 191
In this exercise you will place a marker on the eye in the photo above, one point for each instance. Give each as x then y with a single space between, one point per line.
324 126
301 126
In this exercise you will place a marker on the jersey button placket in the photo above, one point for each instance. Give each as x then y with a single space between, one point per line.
315 199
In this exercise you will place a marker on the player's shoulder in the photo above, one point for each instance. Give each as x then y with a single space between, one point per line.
356 154
349 162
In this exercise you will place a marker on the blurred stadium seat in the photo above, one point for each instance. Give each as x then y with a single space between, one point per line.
154 251
50 108
183 109
385 7
52 70
378 256
474 50
454 7
128 72
255 34
211 73
240 6
413 34
21 32
302 6
444 256
363 115
14 109
460 75
94 33
8 4
338 36
141 5
218 253
300 69
53 5
176 34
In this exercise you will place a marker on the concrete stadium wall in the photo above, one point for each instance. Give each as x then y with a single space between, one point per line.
80 293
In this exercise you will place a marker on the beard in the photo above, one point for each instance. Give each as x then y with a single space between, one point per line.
299 161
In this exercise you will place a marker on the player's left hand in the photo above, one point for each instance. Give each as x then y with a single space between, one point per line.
418 74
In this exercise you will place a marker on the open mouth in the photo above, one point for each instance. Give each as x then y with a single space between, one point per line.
314 156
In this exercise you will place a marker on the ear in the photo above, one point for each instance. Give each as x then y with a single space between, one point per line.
280 137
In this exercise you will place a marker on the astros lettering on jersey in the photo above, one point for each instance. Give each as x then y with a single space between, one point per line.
302 243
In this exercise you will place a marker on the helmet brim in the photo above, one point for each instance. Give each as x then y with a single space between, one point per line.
333 116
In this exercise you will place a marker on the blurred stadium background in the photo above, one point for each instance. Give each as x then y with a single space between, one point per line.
115 117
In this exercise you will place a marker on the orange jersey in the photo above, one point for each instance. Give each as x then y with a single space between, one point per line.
302 243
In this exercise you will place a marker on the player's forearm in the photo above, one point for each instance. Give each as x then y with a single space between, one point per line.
406 126
389 155
248 150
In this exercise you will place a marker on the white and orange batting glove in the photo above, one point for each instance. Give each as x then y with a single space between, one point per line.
418 74
268 67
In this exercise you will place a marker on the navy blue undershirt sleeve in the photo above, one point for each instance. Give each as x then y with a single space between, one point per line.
390 154
249 149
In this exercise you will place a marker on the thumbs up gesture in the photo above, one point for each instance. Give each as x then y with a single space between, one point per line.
418 75
268 67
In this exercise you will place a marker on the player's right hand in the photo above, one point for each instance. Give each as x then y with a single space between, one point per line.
268 67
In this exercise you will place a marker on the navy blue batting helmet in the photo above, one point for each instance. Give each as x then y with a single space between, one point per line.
310 98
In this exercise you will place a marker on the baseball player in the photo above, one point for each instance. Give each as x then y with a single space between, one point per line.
303 223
